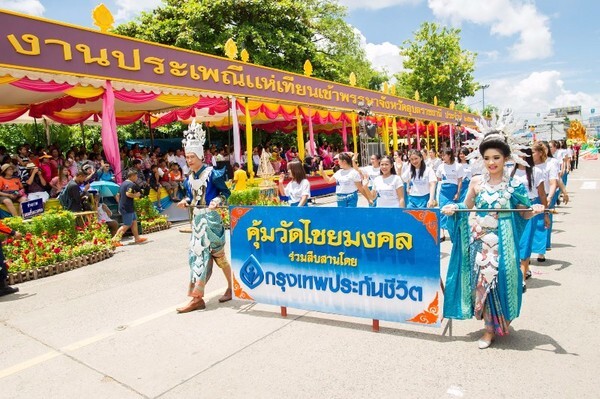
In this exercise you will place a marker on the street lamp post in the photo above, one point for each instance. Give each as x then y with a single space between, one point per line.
483 87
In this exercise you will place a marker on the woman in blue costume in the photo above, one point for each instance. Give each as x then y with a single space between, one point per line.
204 188
484 279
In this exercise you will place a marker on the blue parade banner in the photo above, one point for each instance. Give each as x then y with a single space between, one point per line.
376 263
32 208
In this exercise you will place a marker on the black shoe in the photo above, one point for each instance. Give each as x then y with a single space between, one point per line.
7 290
524 287
528 275
541 258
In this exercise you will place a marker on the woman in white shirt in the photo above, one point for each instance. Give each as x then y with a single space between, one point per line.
348 182
466 166
450 175
549 167
532 179
421 181
370 172
388 188
297 190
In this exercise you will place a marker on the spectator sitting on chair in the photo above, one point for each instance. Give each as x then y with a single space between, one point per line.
59 182
105 173
128 191
104 214
11 189
72 197
35 185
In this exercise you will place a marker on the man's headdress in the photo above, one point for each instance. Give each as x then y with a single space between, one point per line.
194 138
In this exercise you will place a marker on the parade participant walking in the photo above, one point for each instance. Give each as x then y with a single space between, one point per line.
203 190
127 192
348 182
5 289
421 181
388 188
533 180
450 175
484 279
298 190
464 163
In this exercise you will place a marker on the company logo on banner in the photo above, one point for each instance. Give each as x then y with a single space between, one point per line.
374 263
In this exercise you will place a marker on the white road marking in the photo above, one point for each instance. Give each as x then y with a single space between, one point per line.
93 339
589 185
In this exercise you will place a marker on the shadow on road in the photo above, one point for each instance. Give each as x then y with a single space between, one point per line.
526 340
15 297
553 262
541 283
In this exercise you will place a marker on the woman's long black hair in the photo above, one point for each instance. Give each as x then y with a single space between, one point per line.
528 168
413 170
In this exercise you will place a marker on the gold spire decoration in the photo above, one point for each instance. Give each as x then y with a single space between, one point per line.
308 68
435 100
451 105
103 18
231 49
244 55
352 79
393 90
417 95
386 87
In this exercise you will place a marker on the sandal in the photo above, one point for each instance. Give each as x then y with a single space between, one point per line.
541 258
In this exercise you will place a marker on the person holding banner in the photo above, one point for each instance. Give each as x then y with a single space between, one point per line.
298 190
388 190
348 182
421 181
484 279
203 188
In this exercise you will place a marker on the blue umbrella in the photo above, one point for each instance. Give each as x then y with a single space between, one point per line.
105 188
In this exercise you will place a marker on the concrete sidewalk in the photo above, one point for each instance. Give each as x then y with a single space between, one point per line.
110 330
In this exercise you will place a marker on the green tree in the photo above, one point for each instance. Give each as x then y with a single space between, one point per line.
281 34
437 66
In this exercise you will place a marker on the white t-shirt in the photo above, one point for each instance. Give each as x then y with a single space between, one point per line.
450 173
468 171
295 191
537 177
387 196
419 186
346 180
372 172
182 164
549 171
434 164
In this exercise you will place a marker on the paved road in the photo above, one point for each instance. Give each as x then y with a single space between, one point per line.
110 331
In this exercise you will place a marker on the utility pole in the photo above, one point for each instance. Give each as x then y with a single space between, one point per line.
483 87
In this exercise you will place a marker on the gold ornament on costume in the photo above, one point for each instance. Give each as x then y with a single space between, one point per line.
231 49
308 68
103 18
352 79
245 56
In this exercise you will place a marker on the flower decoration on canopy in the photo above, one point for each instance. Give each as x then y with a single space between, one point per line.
503 127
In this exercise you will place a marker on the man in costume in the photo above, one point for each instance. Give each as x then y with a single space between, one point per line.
204 189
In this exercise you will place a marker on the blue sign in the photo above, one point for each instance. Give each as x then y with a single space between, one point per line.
376 263
31 208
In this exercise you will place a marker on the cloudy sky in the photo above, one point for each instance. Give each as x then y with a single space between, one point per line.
533 55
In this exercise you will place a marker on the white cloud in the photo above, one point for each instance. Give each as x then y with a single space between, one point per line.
375 4
536 93
128 9
505 18
383 56
31 7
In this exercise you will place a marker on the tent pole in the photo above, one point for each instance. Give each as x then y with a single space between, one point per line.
82 133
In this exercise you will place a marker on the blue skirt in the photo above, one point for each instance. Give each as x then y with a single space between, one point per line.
463 190
418 202
347 200
526 241
296 203
446 196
